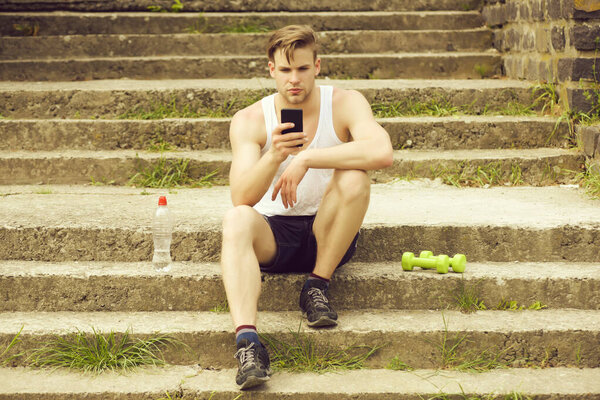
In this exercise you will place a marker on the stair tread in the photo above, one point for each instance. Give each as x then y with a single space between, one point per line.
193 379
430 204
350 321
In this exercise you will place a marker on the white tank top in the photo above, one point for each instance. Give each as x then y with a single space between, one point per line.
313 185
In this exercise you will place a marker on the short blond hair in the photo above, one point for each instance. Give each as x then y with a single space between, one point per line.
290 38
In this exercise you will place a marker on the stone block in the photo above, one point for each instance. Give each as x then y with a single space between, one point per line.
512 11
529 41
590 137
537 11
554 10
542 40
558 38
525 11
578 101
585 37
565 69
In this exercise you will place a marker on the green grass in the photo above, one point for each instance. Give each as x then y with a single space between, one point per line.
98 352
590 179
467 297
303 354
27 30
512 305
397 365
463 396
158 144
102 182
175 7
220 308
181 395
44 191
5 359
454 356
169 174
483 70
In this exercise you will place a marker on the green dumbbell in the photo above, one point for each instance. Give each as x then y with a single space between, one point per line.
440 263
458 262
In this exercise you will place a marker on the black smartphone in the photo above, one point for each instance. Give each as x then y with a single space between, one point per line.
292 115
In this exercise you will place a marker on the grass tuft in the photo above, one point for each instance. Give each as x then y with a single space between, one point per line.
304 355
180 395
453 357
4 358
396 365
590 179
220 308
468 297
98 352
169 174
463 396
175 7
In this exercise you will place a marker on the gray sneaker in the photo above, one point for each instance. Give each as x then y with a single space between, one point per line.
315 306
253 364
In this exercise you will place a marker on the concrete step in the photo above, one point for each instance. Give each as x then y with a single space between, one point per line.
452 65
195 382
111 98
420 133
109 286
536 167
548 338
69 23
104 223
225 5
140 45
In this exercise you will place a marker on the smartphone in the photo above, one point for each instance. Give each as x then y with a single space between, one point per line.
292 115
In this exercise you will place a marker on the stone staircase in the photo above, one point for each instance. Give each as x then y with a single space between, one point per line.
76 239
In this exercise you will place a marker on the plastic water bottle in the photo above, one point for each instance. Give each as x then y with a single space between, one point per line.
162 230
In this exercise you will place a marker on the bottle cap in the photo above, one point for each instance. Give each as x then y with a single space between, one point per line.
162 201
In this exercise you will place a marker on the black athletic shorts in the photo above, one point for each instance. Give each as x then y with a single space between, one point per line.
296 244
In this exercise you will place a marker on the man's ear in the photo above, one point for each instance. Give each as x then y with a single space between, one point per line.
272 69
317 66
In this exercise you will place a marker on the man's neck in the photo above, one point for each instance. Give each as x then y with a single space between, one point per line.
309 106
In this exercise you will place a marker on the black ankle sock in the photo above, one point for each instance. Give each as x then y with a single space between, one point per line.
314 278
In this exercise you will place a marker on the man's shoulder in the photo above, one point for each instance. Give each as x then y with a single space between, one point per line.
343 96
249 117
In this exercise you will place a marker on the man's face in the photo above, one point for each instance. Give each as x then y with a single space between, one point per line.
295 79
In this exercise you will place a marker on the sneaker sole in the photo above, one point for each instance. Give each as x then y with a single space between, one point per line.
321 322
253 381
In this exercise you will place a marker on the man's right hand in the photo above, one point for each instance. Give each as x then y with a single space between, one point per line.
282 145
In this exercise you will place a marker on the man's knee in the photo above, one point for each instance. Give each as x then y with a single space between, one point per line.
352 184
238 221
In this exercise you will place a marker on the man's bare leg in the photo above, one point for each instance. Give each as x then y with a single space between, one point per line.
338 220
247 241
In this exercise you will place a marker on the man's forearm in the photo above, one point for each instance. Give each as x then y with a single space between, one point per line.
251 186
363 155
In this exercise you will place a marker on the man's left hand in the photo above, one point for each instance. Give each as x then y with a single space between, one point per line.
288 182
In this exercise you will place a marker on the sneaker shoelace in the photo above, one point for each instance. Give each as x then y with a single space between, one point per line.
318 297
246 356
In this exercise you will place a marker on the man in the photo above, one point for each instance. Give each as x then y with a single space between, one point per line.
296 209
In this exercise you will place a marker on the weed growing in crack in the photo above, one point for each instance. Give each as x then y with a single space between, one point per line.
169 174
221 307
397 365
467 297
453 357
97 352
175 7
303 354
5 359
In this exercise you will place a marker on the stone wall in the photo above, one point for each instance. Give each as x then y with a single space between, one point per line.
548 40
